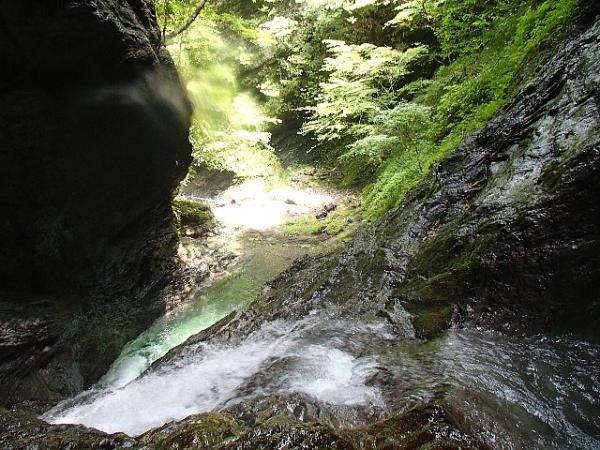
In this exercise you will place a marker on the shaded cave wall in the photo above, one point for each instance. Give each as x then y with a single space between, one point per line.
93 142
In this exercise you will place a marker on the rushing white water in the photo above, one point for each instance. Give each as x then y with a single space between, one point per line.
536 393
262 261
165 334
219 375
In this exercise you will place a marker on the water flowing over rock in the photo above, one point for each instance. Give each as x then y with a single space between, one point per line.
93 141
503 234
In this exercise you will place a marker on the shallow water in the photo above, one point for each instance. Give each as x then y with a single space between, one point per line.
263 259
540 393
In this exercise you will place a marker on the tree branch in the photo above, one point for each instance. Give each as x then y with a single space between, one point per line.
188 22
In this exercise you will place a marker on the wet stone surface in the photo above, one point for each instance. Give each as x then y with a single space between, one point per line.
352 349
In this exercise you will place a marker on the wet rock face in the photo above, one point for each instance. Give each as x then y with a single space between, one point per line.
93 136
504 233
429 427
509 230
93 141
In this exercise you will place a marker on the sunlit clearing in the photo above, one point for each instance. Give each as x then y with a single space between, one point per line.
254 205
246 112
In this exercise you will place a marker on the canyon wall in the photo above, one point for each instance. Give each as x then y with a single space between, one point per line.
93 141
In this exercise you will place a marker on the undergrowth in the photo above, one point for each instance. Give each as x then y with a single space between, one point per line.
465 94
386 88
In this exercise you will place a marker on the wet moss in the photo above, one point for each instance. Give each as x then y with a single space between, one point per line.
283 431
193 218
425 427
203 431
551 176
317 278
441 273
430 320
343 220
191 212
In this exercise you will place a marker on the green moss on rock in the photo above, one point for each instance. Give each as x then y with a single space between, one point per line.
198 432
441 272
193 218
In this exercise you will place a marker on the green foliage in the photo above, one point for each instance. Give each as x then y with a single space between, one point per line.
388 87
462 26
360 85
355 110
171 13
298 52
229 129
466 92
378 114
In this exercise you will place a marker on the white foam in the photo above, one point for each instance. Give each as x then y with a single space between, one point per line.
219 374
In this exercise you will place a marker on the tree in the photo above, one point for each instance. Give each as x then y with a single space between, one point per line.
187 23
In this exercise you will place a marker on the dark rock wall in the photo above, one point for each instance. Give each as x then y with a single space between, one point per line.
509 230
93 141
504 233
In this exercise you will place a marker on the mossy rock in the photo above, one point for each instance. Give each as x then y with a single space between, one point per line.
204 431
425 427
194 218
429 426
442 272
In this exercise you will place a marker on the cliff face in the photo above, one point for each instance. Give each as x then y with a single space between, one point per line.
504 233
93 141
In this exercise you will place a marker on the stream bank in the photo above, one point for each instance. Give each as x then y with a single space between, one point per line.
465 318
353 349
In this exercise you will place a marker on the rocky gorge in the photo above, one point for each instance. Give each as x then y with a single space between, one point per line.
89 97
474 280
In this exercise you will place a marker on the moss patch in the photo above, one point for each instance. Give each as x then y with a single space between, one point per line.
202 431
193 218
344 220
441 272
426 427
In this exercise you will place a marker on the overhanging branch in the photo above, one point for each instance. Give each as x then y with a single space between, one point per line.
188 22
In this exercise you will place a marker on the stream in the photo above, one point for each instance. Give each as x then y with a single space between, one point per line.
539 393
